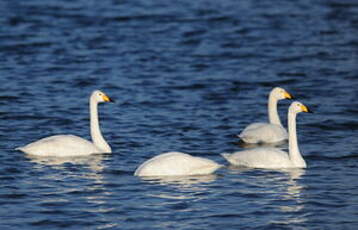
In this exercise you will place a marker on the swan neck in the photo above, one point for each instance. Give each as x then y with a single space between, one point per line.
294 152
96 133
272 111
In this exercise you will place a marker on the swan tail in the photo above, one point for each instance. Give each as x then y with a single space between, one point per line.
226 156
243 138
19 148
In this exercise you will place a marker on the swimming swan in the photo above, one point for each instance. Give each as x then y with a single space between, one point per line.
272 157
70 145
176 164
273 131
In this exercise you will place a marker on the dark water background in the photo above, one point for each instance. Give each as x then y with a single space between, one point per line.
187 76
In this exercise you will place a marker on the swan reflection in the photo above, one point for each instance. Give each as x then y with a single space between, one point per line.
94 162
63 183
180 181
293 191
292 197
186 187
280 189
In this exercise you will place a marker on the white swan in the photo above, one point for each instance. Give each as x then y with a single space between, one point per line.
70 145
272 157
176 164
273 131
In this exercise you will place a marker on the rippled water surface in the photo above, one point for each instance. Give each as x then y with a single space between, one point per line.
186 76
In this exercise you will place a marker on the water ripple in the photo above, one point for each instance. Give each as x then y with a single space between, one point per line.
187 76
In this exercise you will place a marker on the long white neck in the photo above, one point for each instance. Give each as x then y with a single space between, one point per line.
96 134
272 111
294 152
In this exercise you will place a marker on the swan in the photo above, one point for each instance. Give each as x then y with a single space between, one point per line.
273 131
176 164
70 145
266 157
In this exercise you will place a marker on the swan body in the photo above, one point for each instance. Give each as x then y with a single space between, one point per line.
263 133
268 132
61 145
265 157
176 164
260 158
70 145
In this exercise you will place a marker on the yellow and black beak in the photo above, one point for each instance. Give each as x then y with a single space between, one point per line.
107 99
306 109
287 95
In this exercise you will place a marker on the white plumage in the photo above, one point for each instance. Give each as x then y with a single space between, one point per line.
260 158
265 157
176 164
263 133
70 145
61 145
273 131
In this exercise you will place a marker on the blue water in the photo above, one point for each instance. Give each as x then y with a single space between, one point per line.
187 76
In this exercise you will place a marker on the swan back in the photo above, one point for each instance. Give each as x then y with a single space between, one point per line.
263 133
60 146
260 158
176 163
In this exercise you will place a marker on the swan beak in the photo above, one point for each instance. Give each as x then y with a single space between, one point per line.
287 95
107 99
306 109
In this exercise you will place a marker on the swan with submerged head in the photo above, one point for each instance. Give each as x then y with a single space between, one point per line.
176 164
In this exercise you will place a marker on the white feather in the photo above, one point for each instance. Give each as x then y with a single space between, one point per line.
268 132
70 145
266 157
176 164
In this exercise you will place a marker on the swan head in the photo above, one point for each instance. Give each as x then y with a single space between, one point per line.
99 96
279 93
297 107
